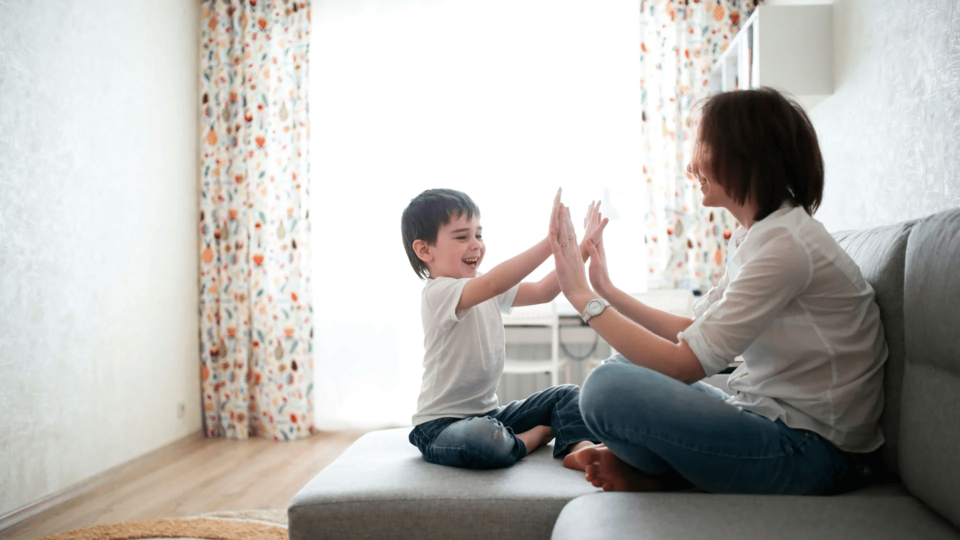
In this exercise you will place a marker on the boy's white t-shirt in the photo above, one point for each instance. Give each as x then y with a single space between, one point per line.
463 351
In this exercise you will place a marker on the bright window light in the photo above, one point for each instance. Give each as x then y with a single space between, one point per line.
504 100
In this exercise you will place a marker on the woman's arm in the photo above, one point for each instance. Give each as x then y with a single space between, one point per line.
661 323
634 342
641 346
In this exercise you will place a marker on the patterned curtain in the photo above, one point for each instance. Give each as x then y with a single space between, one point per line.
255 299
680 41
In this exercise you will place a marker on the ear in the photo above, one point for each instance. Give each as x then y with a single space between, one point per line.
422 249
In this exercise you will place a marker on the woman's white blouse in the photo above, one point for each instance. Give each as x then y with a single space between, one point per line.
794 305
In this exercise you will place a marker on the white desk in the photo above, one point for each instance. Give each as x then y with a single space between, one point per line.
575 331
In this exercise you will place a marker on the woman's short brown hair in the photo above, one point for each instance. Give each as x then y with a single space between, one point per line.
760 145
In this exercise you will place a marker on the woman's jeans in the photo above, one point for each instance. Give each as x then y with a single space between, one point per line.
488 441
666 428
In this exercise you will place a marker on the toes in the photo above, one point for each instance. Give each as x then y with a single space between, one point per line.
587 456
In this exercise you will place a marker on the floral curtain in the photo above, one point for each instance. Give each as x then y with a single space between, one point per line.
680 41
255 299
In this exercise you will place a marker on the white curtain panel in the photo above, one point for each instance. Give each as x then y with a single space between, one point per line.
505 100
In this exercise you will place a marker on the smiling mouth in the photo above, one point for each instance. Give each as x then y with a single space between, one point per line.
472 262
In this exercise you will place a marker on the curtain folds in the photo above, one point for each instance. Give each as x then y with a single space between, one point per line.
255 298
680 41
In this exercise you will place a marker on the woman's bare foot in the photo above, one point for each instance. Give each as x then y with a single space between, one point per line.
571 461
605 470
536 437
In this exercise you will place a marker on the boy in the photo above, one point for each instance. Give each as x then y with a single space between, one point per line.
459 422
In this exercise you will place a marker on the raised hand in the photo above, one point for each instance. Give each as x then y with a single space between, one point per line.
593 225
555 215
599 276
569 262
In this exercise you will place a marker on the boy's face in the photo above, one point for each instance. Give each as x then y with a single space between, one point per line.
459 249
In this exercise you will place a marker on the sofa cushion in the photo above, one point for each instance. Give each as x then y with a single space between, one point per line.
930 412
880 253
382 488
663 516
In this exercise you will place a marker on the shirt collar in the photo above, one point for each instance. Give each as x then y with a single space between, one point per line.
739 235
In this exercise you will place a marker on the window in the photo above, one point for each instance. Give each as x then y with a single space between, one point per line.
504 100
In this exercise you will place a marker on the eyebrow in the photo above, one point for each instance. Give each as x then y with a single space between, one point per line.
465 229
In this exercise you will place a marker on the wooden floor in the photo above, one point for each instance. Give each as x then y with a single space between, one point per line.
194 476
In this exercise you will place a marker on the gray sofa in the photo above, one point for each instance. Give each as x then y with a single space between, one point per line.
382 488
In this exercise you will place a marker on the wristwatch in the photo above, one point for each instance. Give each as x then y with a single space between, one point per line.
594 308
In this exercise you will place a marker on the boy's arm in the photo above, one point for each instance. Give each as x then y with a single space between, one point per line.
542 291
502 277
548 288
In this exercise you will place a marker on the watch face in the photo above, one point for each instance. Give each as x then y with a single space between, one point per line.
594 307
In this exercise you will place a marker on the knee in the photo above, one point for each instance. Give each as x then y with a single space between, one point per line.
596 389
613 387
617 359
566 392
486 443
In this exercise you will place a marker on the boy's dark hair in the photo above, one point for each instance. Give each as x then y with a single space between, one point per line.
424 216
760 145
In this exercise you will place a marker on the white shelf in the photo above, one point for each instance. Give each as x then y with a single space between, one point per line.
787 47
529 367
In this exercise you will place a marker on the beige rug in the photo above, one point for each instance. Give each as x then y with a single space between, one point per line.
239 525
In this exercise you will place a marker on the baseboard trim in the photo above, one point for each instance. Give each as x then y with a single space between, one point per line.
30 510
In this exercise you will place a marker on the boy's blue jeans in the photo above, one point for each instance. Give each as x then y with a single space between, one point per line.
488 441
668 429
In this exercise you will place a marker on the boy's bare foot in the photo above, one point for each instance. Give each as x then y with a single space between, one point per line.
605 470
536 437
571 461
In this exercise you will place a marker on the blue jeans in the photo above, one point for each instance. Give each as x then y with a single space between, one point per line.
488 441
674 431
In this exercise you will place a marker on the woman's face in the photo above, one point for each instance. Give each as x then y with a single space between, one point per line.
713 193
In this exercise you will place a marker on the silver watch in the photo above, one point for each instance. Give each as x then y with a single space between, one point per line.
594 308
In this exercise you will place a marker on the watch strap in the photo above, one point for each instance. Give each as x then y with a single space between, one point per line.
586 315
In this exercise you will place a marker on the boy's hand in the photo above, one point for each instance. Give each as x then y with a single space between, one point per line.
593 226
555 215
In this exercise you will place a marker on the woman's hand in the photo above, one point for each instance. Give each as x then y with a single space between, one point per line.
569 263
593 226
599 277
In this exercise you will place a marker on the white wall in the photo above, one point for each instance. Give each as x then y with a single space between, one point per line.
98 237
890 133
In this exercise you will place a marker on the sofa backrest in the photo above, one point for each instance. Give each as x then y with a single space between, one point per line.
930 404
880 253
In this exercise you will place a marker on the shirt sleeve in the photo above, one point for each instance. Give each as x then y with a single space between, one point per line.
505 300
441 297
775 273
712 296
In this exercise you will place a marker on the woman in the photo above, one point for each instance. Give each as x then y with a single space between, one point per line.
809 393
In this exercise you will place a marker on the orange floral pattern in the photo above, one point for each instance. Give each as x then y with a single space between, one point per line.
255 302
680 42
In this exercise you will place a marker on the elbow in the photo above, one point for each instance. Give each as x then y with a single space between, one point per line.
688 368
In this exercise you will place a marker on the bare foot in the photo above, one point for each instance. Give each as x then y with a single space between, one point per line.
536 437
605 470
571 461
